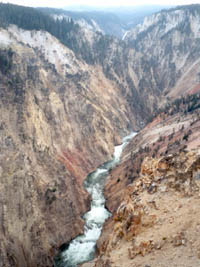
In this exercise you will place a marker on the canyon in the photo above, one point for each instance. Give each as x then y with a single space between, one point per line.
64 106
53 133
154 197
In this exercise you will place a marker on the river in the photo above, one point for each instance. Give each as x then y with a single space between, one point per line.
82 248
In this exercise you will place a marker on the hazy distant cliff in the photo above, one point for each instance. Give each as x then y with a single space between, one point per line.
170 42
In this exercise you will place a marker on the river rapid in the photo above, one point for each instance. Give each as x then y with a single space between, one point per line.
82 248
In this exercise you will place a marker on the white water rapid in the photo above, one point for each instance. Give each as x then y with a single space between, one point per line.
82 248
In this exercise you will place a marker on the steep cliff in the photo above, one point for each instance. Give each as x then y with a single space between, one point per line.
154 195
60 119
157 224
169 42
157 62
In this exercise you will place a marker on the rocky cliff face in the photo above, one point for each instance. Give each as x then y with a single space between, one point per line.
60 119
169 42
158 221
154 196
169 133
158 60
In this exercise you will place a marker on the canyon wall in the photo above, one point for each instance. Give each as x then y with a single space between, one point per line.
60 119
154 195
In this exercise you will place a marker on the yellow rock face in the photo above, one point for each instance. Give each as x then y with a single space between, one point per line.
57 124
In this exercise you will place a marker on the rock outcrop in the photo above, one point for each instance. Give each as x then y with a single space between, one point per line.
158 221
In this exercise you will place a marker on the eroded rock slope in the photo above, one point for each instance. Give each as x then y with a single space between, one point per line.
60 119
154 195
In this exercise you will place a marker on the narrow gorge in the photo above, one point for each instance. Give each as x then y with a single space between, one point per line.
82 248
69 93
